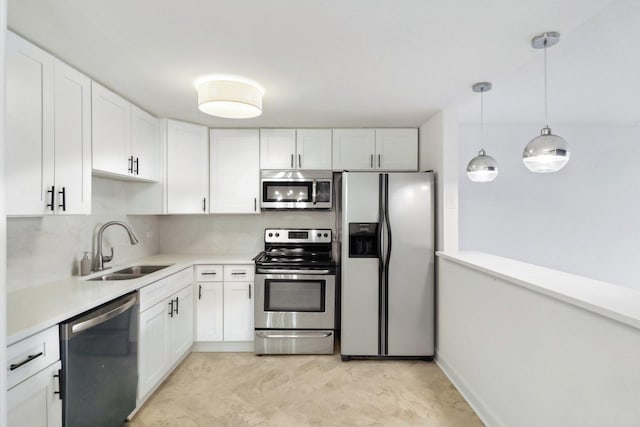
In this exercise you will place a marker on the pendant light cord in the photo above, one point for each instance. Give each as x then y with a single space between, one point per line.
482 118
546 119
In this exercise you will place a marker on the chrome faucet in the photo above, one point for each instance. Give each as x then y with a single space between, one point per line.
101 259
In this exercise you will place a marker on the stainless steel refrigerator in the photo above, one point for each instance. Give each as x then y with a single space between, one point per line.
387 265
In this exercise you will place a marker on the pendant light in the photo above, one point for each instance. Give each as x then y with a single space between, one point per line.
482 168
547 152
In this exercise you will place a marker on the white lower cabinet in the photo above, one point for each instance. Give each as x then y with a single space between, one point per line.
166 328
36 402
209 314
224 303
238 311
33 368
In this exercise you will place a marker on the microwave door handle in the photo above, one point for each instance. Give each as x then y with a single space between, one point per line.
313 192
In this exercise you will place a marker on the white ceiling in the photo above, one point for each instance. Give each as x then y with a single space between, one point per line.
327 63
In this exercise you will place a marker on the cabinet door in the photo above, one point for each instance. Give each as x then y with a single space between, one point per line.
209 311
187 168
397 149
34 403
313 149
238 311
29 134
181 324
354 149
153 347
145 144
72 140
277 149
111 131
234 170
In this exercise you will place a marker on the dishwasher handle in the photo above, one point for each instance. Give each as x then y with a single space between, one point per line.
84 324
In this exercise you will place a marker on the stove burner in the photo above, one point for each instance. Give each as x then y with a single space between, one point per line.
296 254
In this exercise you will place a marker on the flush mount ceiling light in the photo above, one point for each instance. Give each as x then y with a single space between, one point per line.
482 168
228 98
547 152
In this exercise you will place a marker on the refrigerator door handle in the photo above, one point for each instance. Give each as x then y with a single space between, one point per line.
381 266
387 222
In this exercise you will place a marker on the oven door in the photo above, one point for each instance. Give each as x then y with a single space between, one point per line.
295 301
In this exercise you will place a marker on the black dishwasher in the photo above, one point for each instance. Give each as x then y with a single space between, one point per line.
99 352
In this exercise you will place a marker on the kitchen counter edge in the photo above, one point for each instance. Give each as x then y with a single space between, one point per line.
34 309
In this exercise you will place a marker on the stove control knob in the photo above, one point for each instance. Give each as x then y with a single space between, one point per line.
277 234
270 234
319 234
326 235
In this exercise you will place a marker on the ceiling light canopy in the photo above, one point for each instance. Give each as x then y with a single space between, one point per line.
546 152
482 168
229 98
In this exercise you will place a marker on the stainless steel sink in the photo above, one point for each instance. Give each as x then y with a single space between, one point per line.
141 269
129 273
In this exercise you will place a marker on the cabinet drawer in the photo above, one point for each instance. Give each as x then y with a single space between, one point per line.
209 273
163 288
238 273
29 356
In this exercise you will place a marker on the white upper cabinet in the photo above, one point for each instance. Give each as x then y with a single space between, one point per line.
375 149
295 149
145 144
48 137
187 180
29 134
72 132
234 170
354 149
111 117
126 139
277 148
313 148
397 149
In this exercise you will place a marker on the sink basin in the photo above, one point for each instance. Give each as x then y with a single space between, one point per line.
130 272
141 269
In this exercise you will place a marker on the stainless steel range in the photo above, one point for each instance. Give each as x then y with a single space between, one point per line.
295 293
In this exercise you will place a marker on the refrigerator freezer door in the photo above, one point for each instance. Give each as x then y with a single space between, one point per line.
359 315
411 266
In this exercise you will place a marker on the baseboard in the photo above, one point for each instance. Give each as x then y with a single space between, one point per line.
223 346
479 406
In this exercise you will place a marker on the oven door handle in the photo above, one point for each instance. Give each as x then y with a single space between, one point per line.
263 334
302 272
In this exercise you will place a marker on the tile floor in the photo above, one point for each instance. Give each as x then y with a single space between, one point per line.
241 389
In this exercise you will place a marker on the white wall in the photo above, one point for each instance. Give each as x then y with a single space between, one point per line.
438 152
43 249
232 234
523 359
584 219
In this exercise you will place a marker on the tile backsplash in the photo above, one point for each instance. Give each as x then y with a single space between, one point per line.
47 248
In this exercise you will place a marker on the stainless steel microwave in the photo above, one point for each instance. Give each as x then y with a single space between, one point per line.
296 189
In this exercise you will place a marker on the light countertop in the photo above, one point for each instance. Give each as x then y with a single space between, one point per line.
34 309
609 300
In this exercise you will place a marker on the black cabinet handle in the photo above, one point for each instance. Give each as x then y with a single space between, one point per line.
209 273
29 358
204 204
249 291
199 291
255 204
137 163
52 205
238 273
59 377
130 164
63 193
171 308
177 301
